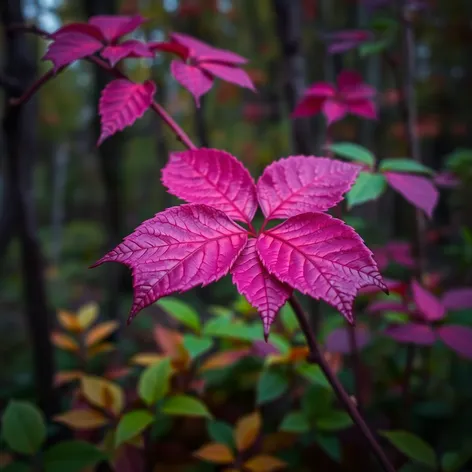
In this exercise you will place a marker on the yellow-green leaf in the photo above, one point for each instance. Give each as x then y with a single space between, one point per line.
82 419
132 424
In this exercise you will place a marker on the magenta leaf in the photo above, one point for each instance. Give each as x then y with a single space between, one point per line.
428 305
231 74
446 180
458 338
68 47
419 191
334 110
303 184
213 177
262 290
196 81
363 108
412 333
114 27
130 48
348 80
457 299
308 106
392 285
338 340
178 249
320 256
380 306
122 102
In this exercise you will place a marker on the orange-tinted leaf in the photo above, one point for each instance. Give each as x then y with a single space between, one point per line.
67 376
224 359
100 349
102 393
100 332
298 353
116 373
231 470
87 315
63 341
216 453
69 321
145 359
264 463
168 340
5 459
82 419
272 443
246 431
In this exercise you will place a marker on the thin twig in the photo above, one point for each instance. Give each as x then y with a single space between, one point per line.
316 356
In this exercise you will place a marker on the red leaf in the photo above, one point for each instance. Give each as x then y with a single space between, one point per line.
114 27
178 249
122 103
320 256
262 290
429 306
301 184
68 47
458 338
419 191
412 333
192 78
131 48
213 177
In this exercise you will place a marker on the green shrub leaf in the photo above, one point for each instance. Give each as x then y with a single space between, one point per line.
154 382
272 384
184 405
181 311
131 424
404 165
196 346
295 422
353 152
367 187
72 456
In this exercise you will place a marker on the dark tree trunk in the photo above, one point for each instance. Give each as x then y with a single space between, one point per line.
111 161
18 215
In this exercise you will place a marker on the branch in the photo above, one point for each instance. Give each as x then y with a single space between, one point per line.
316 357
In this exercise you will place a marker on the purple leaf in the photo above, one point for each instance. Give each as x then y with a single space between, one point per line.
391 284
446 180
130 48
334 110
419 191
320 256
68 47
264 349
178 249
79 28
213 177
203 51
122 102
262 290
458 338
302 184
196 81
114 27
231 74
412 333
457 299
338 340
428 305
387 305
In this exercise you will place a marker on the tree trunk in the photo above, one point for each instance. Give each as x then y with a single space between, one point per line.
20 135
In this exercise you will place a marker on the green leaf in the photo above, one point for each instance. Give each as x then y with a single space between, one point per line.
72 456
367 187
330 444
131 424
24 429
154 382
196 345
373 47
289 320
280 343
316 401
404 165
334 421
412 446
313 373
221 432
272 384
17 467
454 461
353 152
183 405
182 312
295 422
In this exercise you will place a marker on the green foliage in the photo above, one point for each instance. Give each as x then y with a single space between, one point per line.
221 432
154 382
196 346
353 152
295 422
404 165
23 427
181 311
73 456
184 405
367 187
272 384
131 424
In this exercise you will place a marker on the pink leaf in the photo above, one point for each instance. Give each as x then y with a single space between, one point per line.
362 108
172 47
387 305
302 184
114 27
458 338
122 102
69 47
359 92
412 333
178 249
196 81
446 180
392 285
419 191
429 306
400 253
320 256
458 299
80 28
321 89
130 48
339 339
262 290
347 80
232 74
213 177
204 51
308 106
334 110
